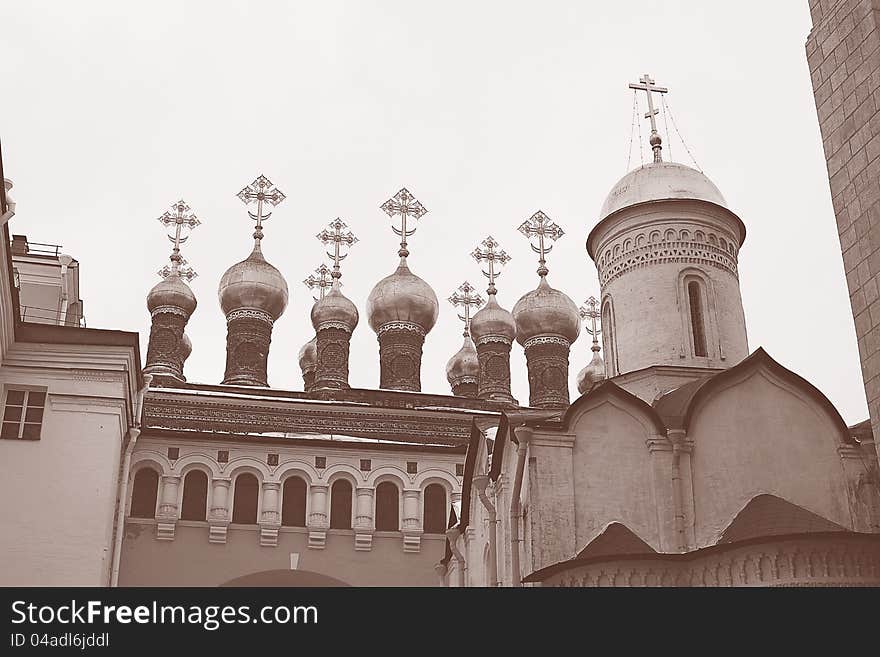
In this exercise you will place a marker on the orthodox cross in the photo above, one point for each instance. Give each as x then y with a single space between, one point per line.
323 281
404 205
491 256
539 225
591 312
181 217
261 190
338 235
464 296
646 84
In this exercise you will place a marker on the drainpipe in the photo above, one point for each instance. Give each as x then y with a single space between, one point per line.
441 569
452 536
523 434
481 482
133 434
676 437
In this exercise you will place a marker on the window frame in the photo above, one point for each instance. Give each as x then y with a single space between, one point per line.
22 420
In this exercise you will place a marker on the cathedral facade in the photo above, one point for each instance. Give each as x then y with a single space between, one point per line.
686 459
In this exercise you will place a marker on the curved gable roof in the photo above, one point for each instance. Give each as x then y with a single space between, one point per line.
611 389
676 408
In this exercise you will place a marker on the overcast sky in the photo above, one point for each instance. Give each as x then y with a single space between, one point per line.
486 111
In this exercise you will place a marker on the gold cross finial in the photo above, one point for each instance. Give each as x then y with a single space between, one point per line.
323 281
181 217
591 312
492 255
404 205
647 85
260 191
338 235
464 296
539 225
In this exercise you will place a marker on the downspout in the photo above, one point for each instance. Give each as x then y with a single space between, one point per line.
452 535
441 570
676 437
481 482
523 434
133 434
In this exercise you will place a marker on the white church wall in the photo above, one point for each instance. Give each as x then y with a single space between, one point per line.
761 434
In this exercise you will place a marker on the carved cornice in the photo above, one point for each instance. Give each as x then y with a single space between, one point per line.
250 313
401 326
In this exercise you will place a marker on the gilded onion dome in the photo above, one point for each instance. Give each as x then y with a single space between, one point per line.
308 356
592 373
335 309
546 311
493 320
463 365
253 284
402 297
172 292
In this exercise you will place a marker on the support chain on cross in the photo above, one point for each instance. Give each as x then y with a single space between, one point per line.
647 85
182 218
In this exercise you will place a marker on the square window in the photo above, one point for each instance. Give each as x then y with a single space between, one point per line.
174 453
272 459
23 414
459 469
412 467
366 465
320 461
223 456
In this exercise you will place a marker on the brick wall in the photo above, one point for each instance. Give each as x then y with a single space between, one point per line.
843 52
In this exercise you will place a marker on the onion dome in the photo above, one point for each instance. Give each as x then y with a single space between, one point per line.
492 319
402 297
253 284
172 292
308 356
546 311
660 181
463 365
186 347
592 373
335 309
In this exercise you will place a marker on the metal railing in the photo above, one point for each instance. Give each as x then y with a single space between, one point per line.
41 248
51 316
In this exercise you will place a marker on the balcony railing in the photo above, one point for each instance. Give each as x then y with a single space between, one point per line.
52 316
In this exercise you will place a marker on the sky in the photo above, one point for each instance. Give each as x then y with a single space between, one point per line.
486 111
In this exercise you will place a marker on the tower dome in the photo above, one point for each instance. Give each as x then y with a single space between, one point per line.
308 362
186 347
546 311
592 373
493 320
463 369
171 292
335 309
660 181
253 284
402 297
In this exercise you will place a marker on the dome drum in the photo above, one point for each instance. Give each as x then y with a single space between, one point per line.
547 363
308 362
332 354
171 303
247 351
400 356
463 370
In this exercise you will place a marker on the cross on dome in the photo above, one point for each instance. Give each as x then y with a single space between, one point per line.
404 205
541 226
491 255
464 296
647 85
591 311
340 237
260 191
181 217
323 281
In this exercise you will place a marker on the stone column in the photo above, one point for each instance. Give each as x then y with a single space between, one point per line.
412 522
166 517
547 362
400 356
165 350
363 519
218 518
319 520
333 348
270 519
493 353
248 335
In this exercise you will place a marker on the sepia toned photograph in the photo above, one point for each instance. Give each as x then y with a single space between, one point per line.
435 295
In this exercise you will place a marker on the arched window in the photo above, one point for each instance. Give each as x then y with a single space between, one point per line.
387 507
340 504
608 338
698 321
244 504
434 517
195 496
143 493
293 502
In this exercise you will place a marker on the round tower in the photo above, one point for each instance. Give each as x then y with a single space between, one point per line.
666 249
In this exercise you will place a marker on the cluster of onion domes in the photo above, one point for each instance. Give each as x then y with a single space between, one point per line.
493 320
253 284
546 311
402 297
464 366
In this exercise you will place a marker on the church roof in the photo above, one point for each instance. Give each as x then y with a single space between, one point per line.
768 515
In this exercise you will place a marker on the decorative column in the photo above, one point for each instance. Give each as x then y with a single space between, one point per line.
167 514
493 329
218 518
171 302
363 519
270 519
319 520
547 323
412 522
